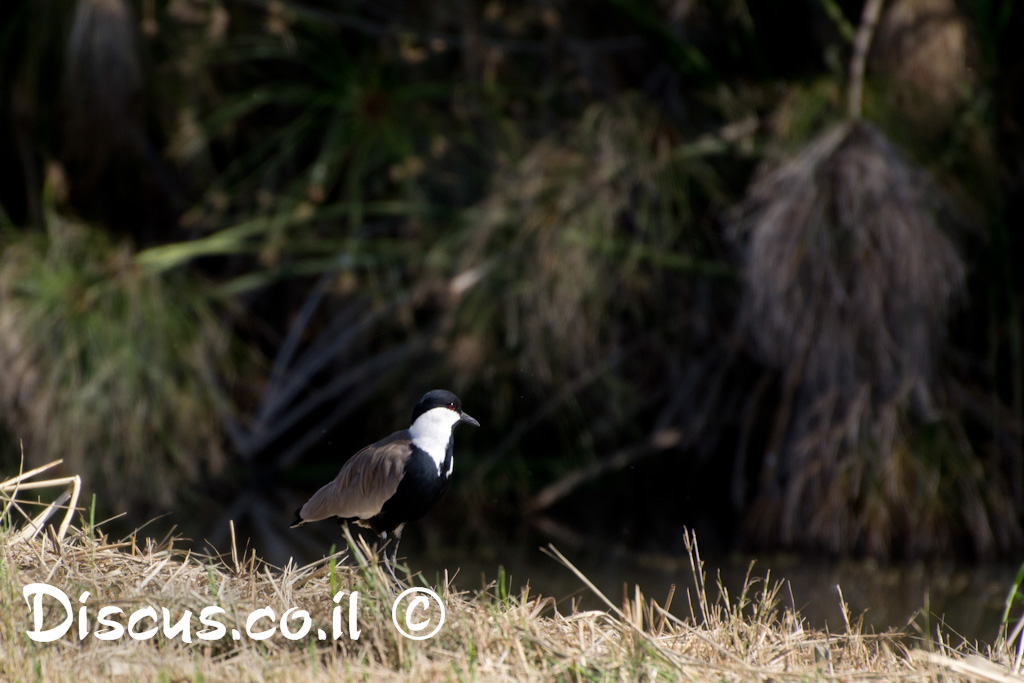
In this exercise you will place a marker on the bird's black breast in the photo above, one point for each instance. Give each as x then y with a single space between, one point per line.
419 490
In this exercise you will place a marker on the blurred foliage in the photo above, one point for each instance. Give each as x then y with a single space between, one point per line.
578 264
113 370
603 220
541 206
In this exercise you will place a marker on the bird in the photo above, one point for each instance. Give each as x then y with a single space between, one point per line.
396 480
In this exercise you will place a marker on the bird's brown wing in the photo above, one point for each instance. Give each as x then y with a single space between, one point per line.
365 482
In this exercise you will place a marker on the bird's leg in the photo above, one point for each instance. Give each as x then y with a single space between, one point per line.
383 543
397 537
389 551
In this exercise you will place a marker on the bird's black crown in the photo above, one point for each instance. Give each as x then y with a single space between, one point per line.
438 398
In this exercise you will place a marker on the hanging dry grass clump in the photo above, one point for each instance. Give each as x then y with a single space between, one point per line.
849 282
847 266
102 108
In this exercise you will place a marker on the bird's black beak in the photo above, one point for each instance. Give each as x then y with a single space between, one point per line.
468 419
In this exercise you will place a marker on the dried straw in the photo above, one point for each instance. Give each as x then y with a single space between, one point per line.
488 635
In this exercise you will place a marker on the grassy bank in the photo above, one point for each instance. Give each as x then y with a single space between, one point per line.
487 634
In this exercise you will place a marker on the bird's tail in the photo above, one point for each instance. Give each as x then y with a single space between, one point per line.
299 521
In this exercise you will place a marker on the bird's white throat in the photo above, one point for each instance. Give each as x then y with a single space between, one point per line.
432 431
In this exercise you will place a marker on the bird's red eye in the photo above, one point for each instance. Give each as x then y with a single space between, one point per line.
451 406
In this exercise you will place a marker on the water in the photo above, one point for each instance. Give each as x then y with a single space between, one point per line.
967 600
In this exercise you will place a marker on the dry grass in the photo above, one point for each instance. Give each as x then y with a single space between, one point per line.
488 634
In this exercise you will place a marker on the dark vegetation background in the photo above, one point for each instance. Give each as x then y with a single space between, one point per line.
674 279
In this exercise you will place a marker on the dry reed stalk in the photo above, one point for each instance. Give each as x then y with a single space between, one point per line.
10 488
861 45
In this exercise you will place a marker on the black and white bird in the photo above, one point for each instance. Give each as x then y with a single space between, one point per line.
396 480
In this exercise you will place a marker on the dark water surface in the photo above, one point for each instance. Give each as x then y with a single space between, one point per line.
965 601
